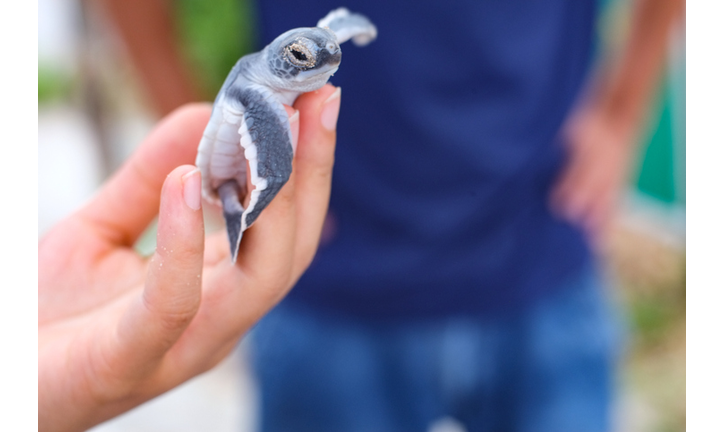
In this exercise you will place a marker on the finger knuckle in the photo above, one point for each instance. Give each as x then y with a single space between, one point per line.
272 285
175 312
323 173
191 110
178 315
306 256
103 376
277 281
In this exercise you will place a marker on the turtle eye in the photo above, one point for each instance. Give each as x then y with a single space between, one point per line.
299 55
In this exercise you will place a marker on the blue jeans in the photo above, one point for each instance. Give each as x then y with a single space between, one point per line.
547 367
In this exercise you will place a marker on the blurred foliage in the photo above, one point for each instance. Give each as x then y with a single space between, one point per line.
651 277
53 84
215 34
655 310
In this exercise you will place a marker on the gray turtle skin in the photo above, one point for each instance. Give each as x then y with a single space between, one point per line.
245 154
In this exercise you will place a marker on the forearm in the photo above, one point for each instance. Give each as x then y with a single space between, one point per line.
147 30
631 76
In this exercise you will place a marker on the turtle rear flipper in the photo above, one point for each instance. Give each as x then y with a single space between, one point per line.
233 211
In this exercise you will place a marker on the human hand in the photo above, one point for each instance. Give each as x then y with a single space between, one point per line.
600 147
115 329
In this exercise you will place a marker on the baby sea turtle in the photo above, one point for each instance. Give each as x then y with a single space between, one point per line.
245 155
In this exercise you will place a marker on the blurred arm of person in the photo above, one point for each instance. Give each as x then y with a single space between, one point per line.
601 134
116 329
147 30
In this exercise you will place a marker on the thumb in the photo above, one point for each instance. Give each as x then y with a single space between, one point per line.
172 294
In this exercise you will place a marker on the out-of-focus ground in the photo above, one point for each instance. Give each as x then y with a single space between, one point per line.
92 114
649 273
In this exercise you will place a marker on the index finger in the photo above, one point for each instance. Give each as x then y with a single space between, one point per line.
129 201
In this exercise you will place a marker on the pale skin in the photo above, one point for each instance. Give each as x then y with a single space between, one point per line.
116 329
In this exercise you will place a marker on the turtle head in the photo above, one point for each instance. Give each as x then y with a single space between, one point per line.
303 59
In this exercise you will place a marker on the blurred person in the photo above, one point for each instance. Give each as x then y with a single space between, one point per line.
116 329
483 153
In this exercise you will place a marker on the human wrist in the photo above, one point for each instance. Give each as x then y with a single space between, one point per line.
618 111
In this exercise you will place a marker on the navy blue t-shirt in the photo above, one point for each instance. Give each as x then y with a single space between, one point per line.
446 153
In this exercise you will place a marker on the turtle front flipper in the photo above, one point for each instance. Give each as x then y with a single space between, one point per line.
245 156
347 25
265 137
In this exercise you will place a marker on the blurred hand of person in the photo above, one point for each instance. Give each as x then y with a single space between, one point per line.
116 329
599 146
602 134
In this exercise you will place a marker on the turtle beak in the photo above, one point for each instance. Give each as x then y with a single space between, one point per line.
327 69
333 58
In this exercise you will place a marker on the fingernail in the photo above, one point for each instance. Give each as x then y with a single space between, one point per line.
192 188
330 111
294 125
